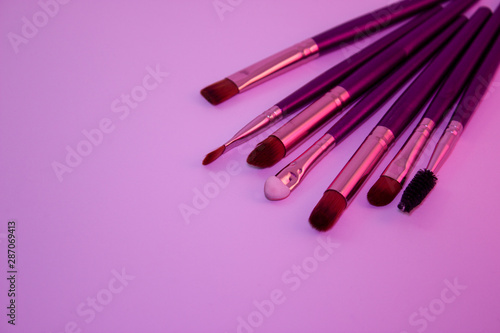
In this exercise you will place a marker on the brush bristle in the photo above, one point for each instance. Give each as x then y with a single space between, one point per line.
220 91
213 155
383 191
267 153
328 210
423 182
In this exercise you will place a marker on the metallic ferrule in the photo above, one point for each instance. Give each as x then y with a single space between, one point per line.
293 173
406 158
445 145
312 118
362 163
275 65
255 127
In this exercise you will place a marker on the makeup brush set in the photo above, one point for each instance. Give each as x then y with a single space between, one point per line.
452 60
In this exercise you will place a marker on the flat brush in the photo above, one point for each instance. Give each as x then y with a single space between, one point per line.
287 137
279 187
342 190
394 176
312 48
316 87
424 181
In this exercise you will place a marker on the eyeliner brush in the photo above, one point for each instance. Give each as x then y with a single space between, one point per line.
279 187
425 180
394 176
311 48
342 190
316 87
287 137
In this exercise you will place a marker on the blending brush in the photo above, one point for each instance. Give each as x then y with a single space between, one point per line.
316 87
424 180
288 136
377 143
279 187
394 176
311 48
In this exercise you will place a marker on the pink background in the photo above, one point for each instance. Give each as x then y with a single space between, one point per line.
118 212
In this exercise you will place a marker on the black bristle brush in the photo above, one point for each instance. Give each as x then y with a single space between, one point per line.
425 180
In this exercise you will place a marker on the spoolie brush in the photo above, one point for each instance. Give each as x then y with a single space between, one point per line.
423 183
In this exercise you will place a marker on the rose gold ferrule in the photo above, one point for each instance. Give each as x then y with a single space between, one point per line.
275 65
445 145
403 162
256 126
312 118
362 163
293 173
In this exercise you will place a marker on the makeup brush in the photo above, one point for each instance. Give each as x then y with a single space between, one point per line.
311 48
342 190
394 176
424 181
279 187
282 141
316 87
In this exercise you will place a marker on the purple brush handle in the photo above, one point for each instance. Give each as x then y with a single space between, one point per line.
456 81
384 62
370 23
329 79
413 99
377 96
479 85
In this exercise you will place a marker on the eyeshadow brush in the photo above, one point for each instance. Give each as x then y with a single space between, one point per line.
342 190
307 122
312 48
316 87
394 176
280 186
425 180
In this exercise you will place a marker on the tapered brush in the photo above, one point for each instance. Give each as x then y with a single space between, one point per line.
280 186
312 48
326 107
316 87
394 176
388 129
424 181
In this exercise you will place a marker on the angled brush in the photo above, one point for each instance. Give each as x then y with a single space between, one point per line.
312 48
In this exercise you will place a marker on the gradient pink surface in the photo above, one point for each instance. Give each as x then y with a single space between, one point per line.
135 235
